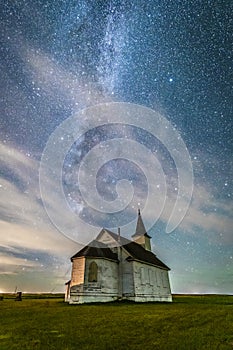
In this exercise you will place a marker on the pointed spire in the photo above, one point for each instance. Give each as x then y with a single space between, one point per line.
141 237
140 228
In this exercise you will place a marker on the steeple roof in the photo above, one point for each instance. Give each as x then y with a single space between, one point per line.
140 228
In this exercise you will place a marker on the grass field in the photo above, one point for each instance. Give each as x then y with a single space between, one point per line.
45 322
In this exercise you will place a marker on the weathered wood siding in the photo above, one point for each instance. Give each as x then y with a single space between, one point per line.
103 290
107 239
127 276
127 279
151 283
78 269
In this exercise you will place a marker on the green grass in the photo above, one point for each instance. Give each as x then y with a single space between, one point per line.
190 322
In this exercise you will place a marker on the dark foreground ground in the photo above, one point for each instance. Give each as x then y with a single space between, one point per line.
46 322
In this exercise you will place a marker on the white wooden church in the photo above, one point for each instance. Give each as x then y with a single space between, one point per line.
114 268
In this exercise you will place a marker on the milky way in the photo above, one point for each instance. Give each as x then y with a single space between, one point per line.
58 57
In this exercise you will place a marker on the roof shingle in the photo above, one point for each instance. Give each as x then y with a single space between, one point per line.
96 249
137 252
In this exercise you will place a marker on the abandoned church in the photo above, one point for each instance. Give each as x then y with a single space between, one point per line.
114 268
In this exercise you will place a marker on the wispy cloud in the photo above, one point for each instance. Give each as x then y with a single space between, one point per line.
210 214
31 248
24 222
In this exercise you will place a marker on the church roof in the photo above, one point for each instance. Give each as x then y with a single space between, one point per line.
96 249
137 252
140 228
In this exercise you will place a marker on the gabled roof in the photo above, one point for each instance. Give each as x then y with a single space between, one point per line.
136 251
96 249
140 228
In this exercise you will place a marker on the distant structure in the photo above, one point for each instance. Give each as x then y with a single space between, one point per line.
18 296
114 268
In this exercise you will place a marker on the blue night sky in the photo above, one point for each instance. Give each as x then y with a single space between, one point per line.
59 57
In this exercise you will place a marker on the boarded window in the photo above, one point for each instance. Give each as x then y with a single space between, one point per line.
151 277
164 279
155 274
142 271
158 278
93 272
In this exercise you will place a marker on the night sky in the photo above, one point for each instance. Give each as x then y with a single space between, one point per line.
60 57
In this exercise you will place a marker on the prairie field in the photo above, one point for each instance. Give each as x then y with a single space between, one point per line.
46 322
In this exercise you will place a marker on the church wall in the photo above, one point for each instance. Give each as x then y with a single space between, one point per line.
151 283
104 289
77 274
102 280
107 274
127 276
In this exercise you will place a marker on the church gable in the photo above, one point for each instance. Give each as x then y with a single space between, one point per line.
111 239
106 238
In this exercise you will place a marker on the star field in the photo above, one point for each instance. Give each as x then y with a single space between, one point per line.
58 57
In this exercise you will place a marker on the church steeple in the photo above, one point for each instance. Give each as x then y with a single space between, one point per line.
140 236
140 228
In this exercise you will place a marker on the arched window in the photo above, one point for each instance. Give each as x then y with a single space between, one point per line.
93 272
